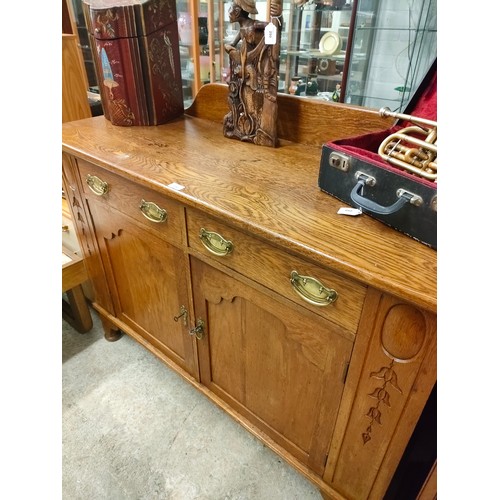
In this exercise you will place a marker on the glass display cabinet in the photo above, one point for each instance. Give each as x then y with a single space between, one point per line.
371 53
314 46
204 28
198 49
392 47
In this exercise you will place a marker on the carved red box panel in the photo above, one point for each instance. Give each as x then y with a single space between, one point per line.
135 45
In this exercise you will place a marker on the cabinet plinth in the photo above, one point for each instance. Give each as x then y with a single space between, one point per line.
317 332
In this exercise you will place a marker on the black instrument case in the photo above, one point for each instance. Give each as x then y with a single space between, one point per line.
352 170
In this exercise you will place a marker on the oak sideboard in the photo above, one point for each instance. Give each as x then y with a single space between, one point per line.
315 331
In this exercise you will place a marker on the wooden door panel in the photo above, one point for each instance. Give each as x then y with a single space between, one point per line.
148 282
278 368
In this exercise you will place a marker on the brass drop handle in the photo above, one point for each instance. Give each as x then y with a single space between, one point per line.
65 228
152 211
312 290
182 314
198 331
96 185
215 243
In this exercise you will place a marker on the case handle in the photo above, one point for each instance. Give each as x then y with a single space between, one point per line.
403 195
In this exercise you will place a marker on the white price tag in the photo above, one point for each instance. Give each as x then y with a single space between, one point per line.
176 186
270 34
349 211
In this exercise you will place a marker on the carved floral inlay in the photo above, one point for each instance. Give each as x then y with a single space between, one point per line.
161 12
122 114
106 22
381 394
161 56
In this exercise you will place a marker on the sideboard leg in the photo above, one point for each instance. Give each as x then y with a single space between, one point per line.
111 332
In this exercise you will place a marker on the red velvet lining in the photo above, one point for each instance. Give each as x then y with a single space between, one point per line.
426 107
365 147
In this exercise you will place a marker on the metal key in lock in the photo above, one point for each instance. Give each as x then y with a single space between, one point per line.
182 314
198 331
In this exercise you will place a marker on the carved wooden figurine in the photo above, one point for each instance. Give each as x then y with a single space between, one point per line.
253 83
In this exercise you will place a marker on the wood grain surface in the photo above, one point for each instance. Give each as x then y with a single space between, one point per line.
336 392
75 104
271 192
300 119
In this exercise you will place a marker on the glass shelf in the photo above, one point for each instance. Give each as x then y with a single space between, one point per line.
393 46
387 48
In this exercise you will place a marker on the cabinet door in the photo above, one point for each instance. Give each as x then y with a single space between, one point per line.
147 278
281 369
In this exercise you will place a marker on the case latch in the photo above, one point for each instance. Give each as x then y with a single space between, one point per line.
340 161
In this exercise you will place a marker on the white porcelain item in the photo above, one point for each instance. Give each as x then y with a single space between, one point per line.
330 43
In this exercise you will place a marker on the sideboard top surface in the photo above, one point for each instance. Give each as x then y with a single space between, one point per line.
270 192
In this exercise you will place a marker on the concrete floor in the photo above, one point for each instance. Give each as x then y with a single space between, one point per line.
134 429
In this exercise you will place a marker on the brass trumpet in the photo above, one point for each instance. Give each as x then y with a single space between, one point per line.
403 149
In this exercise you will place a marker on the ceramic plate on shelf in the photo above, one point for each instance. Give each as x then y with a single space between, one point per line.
330 43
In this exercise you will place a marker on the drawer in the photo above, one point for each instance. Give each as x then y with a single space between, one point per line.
273 268
164 216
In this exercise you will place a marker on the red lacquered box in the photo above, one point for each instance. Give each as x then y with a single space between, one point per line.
135 45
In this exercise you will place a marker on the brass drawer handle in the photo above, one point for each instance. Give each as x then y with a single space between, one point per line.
312 290
96 185
152 211
215 243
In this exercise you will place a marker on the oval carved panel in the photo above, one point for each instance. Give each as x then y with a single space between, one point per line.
403 332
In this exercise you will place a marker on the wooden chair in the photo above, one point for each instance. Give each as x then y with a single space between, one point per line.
75 310
75 106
